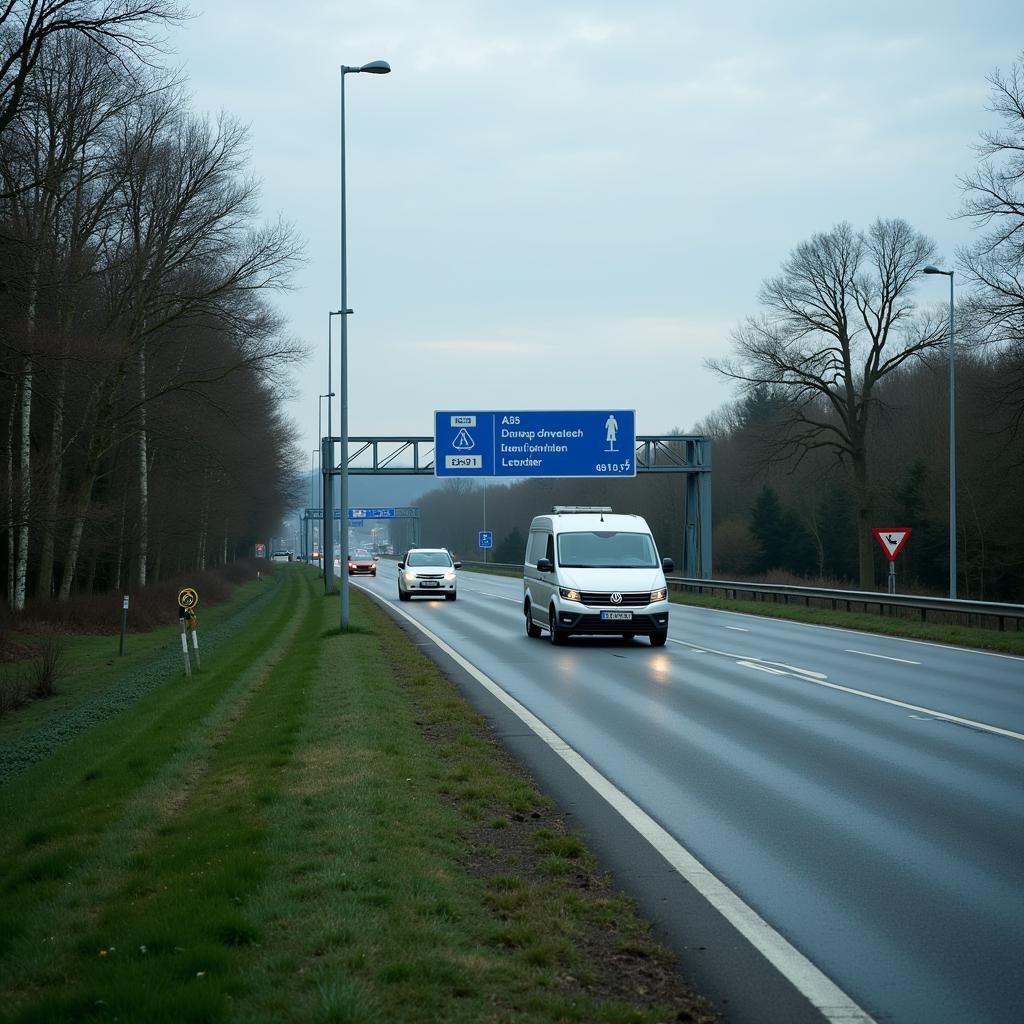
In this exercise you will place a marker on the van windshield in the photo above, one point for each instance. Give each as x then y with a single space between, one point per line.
606 550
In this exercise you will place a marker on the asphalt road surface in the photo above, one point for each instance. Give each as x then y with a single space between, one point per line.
858 800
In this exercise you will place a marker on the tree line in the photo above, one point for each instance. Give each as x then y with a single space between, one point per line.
841 422
142 365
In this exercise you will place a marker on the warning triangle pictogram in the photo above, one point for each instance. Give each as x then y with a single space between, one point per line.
892 539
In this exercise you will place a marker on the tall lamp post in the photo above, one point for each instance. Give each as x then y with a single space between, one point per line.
325 481
375 67
952 433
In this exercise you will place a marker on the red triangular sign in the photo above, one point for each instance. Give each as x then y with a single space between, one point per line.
892 539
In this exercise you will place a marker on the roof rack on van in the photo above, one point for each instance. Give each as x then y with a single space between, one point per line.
581 508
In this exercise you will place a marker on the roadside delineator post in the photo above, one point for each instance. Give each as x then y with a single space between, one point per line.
124 625
188 598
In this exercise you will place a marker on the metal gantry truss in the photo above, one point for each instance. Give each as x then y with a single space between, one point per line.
689 454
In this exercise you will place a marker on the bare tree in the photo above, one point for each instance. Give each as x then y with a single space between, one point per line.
837 320
994 262
121 28
183 248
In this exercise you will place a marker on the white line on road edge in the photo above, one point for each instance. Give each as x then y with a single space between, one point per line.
884 657
826 997
818 680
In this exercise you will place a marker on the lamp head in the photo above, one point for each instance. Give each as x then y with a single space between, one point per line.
377 67
933 270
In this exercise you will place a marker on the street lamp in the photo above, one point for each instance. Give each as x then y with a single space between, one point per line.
375 67
325 481
952 433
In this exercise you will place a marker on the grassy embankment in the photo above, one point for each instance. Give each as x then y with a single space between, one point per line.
314 828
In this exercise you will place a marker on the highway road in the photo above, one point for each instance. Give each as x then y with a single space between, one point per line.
858 800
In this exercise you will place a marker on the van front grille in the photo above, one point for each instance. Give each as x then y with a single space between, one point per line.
604 599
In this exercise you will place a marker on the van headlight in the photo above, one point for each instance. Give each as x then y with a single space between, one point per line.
658 595
449 575
568 594
409 575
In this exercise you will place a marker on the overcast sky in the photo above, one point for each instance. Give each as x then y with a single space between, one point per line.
570 205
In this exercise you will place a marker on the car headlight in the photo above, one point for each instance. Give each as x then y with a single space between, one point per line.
449 575
410 575
568 594
658 595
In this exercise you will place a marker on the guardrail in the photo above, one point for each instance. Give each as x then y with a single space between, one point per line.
886 603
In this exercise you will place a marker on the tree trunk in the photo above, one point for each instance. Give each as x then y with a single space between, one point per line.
55 472
9 453
25 488
143 473
865 539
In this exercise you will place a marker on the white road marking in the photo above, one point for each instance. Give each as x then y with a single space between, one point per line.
761 668
823 993
856 632
884 657
819 680
739 629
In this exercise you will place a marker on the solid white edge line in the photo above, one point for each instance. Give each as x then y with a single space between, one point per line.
826 997
884 657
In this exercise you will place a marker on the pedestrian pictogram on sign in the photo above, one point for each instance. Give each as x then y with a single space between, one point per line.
892 539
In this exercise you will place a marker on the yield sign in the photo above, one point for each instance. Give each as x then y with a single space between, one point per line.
891 539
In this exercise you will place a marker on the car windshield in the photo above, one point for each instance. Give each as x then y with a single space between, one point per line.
440 558
606 550
360 556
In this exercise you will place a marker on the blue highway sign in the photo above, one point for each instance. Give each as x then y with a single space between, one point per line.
367 513
486 539
561 444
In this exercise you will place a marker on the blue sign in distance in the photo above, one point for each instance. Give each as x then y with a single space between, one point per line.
486 539
559 444
367 513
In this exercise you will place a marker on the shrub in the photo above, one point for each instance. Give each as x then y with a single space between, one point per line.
47 669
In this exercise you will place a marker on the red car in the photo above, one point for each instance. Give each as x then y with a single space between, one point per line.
362 563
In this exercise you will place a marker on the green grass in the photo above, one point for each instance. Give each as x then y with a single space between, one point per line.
961 636
314 828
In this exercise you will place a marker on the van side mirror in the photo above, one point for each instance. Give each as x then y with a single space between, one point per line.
458 565
667 564
544 565
401 565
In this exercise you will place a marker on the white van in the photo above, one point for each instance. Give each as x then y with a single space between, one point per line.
590 571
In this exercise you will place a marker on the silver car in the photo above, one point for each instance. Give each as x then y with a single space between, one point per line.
427 571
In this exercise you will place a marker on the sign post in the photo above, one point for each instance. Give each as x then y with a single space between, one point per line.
124 624
188 598
588 443
892 540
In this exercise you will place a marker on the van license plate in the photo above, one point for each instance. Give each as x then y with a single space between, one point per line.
429 583
617 616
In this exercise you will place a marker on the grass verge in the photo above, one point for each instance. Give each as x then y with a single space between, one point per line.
960 636
316 828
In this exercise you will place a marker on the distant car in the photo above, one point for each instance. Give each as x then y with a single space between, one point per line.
281 556
428 571
362 563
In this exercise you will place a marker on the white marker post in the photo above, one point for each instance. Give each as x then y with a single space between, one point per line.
195 641
184 643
